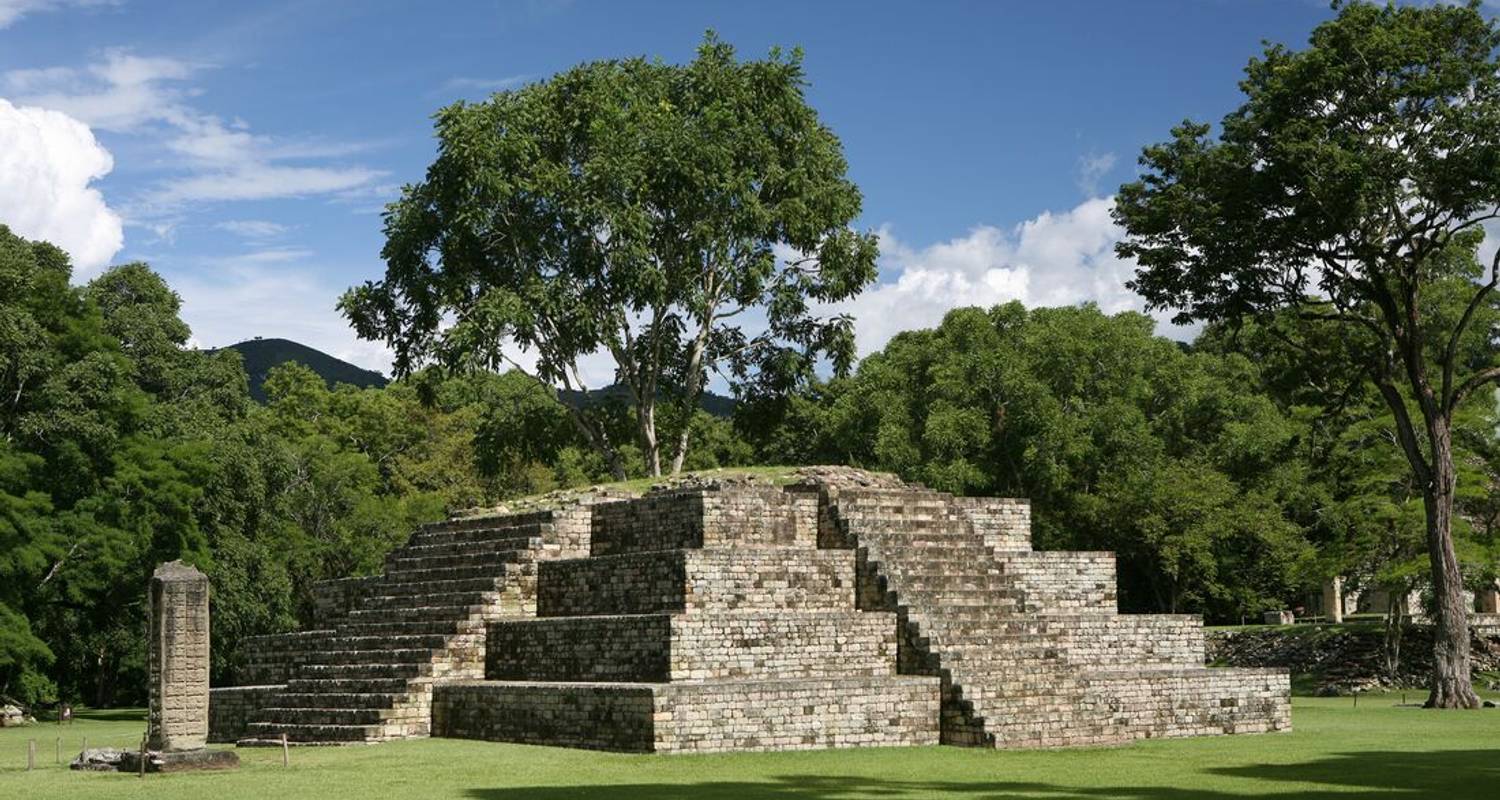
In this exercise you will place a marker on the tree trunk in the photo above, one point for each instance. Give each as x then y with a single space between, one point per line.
645 414
1452 686
1395 625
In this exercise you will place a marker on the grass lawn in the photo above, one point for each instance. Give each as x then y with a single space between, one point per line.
1376 749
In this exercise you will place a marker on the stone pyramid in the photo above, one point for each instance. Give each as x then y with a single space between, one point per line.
846 609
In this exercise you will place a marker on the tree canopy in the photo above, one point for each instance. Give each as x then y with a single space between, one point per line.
682 219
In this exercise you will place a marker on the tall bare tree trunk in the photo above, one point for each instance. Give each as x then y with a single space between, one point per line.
1452 686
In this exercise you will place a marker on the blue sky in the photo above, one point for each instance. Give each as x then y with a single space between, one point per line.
245 151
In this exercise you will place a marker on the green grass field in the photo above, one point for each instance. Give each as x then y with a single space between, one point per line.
1377 749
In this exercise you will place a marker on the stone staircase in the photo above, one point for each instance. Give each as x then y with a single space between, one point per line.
1029 645
368 677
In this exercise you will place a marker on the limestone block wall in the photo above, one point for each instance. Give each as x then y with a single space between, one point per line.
686 647
273 658
1154 703
1005 522
694 518
1063 581
704 717
333 599
230 709
1133 639
696 580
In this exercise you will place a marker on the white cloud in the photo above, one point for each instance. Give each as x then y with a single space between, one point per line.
1091 168
1051 260
219 160
253 229
12 10
47 162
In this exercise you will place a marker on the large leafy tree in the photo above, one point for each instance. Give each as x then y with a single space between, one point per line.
682 219
1335 191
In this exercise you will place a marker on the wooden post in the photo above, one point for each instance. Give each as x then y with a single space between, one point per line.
143 756
30 754
286 755
57 757
85 748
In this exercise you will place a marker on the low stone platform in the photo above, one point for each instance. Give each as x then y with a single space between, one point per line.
694 717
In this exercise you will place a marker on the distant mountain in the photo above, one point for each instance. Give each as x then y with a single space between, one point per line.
261 355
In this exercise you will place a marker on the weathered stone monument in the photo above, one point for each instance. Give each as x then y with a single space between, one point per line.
177 658
844 609
1333 599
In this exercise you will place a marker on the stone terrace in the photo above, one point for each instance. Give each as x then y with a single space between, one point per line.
849 609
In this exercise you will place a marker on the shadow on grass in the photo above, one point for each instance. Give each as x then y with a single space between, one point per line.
112 714
1452 774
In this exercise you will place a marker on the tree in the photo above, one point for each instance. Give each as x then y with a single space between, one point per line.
683 219
1343 189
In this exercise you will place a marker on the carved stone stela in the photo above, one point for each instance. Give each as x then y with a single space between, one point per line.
178 658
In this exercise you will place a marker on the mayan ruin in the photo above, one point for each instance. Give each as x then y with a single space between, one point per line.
846 609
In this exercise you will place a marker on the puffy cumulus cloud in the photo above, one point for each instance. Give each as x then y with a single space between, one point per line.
1053 259
48 162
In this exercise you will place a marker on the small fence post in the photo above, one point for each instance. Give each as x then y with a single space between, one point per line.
30 754
286 755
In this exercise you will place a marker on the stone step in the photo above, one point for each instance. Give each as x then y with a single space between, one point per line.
381 656
474 535
338 699
364 669
500 542
488 522
372 686
396 581
468 554
419 602
320 716
406 586
381 625
410 641
268 734
452 613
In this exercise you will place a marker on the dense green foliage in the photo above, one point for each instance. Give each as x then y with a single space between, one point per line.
635 208
1123 441
121 448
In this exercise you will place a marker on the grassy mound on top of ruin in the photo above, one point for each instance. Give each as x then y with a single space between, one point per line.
1336 749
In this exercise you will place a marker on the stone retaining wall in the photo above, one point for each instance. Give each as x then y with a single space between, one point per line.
333 599
663 647
680 718
693 518
230 709
275 657
696 580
